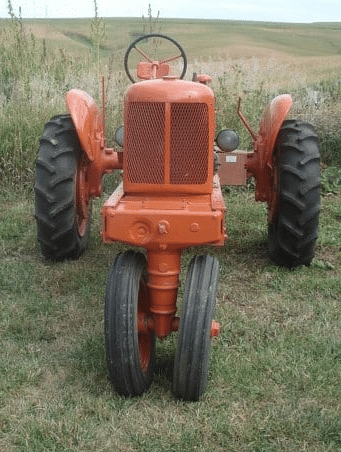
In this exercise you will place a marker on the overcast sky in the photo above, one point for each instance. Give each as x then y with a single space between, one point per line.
261 10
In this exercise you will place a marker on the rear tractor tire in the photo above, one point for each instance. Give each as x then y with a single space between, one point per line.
292 230
62 207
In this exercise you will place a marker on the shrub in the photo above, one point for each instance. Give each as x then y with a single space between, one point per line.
331 148
331 180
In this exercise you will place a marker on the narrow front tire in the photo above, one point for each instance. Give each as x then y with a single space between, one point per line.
130 352
194 341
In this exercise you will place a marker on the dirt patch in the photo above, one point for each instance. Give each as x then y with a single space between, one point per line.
47 32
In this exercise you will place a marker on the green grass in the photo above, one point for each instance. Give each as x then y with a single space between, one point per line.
274 380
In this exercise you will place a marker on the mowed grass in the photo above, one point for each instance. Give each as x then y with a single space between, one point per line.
274 381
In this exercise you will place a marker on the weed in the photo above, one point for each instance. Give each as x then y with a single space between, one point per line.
331 148
331 179
98 35
151 24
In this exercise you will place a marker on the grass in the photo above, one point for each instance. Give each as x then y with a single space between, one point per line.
274 375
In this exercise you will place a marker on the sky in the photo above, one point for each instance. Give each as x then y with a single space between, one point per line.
306 11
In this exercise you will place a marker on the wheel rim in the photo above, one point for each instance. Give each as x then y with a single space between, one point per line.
82 197
145 350
274 196
145 339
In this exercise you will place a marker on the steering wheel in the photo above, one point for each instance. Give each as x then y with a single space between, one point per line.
153 67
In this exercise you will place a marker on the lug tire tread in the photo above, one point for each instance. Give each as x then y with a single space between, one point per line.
293 232
55 191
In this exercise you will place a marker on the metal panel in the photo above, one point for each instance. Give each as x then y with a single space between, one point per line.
232 170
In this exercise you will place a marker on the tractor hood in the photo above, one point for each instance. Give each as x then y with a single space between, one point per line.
170 89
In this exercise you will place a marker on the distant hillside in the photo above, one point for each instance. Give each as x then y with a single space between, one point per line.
212 39
314 49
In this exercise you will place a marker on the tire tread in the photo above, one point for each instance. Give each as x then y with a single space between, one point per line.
55 203
293 231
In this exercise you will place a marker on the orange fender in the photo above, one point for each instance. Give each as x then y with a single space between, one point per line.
89 125
259 163
87 120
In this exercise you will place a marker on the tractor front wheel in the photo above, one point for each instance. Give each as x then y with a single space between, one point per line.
130 352
194 340
294 210
62 204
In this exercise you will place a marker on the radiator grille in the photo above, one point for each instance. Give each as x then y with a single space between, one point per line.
189 143
145 143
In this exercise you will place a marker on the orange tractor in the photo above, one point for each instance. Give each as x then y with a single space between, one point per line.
170 199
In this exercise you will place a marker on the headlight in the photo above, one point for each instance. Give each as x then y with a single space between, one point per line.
227 140
119 136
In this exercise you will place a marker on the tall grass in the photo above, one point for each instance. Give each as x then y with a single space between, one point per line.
34 82
35 79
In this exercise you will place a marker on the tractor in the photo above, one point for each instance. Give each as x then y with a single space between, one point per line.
172 164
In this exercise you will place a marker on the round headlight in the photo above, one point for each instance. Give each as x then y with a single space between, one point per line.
119 136
227 140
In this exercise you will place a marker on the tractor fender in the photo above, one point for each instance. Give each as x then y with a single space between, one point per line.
272 120
88 122
260 161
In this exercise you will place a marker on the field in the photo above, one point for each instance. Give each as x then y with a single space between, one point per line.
274 381
207 40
